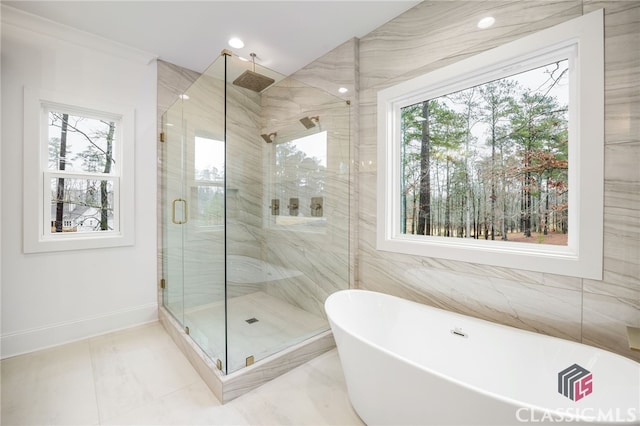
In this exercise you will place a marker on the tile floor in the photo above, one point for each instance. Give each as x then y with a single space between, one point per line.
139 377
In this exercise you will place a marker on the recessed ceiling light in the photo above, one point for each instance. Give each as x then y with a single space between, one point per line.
486 22
236 43
343 90
184 97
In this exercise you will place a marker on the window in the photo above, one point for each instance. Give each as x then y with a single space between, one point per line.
299 183
501 165
490 161
207 189
78 190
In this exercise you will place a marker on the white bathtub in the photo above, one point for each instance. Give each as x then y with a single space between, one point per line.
410 364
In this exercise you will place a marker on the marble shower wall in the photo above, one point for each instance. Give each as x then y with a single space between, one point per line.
434 34
319 251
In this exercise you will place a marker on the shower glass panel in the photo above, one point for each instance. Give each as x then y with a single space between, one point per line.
246 280
193 211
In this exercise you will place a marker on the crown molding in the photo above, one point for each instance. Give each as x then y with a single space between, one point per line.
16 20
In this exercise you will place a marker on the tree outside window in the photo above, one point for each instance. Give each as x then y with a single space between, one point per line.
82 171
491 161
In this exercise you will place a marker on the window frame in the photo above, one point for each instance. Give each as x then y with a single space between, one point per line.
581 41
37 175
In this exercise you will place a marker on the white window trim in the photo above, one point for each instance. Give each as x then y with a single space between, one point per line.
36 235
582 257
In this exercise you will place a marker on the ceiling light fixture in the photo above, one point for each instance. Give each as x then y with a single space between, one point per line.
343 90
485 23
236 43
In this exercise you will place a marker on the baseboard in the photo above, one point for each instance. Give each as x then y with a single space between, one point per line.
35 339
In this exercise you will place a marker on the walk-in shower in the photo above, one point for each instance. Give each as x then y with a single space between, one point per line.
244 283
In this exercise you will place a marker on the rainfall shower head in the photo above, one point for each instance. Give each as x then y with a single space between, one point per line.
268 138
252 80
310 122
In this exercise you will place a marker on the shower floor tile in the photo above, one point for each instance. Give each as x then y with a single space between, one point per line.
259 325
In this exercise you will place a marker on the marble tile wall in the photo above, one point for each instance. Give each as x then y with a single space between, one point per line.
434 34
340 69
611 304
323 257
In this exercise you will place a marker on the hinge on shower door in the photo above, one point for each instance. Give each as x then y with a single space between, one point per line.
163 283
161 136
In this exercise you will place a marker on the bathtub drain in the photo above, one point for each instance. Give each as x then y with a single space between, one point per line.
459 332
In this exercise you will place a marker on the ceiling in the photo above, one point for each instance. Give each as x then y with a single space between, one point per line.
285 35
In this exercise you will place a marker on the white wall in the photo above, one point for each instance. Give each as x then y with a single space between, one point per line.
52 298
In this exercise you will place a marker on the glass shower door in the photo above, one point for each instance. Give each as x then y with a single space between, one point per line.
173 212
194 215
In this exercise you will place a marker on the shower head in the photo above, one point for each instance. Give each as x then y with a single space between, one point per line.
268 138
252 80
310 122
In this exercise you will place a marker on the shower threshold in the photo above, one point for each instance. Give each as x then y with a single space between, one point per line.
242 380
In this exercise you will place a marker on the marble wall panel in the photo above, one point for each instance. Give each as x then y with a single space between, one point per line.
605 319
622 68
434 34
434 31
501 300
172 81
614 302
322 254
340 69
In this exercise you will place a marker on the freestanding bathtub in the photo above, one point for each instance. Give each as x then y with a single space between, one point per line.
410 364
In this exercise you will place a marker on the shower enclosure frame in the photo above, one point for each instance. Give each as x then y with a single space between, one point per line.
229 386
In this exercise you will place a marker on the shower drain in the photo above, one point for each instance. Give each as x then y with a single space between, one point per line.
251 320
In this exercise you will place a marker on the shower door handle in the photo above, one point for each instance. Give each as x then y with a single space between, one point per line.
185 212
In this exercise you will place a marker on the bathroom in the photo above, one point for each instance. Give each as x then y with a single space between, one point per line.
43 307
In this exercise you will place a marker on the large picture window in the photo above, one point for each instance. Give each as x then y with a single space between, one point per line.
490 161
78 186
497 159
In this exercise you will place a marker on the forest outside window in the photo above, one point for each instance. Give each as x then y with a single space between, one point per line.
78 160
502 165
490 162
